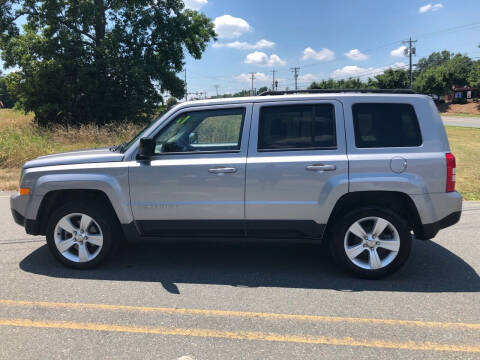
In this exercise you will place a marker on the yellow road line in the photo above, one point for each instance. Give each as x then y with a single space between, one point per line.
241 335
239 314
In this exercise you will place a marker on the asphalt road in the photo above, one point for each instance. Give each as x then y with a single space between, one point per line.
461 121
239 301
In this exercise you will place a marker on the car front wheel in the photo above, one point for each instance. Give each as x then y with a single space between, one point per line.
79 234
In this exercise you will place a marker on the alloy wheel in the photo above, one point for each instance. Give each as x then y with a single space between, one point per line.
372 243
78 237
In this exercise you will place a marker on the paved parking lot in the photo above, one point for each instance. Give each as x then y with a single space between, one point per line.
239 301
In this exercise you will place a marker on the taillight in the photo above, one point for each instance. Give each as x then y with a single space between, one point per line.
451 165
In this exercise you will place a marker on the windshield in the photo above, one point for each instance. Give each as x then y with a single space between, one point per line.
125 146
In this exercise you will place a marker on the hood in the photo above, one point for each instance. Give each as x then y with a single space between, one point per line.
75 157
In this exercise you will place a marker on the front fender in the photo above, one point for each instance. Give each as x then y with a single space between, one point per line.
116 190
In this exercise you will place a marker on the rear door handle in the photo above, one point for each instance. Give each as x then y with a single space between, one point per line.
222 170
321 167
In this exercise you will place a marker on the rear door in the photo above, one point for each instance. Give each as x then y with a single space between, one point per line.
297 167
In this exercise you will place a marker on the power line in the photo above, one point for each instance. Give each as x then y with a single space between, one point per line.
295 71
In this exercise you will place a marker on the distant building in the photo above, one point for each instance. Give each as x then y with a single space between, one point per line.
464 93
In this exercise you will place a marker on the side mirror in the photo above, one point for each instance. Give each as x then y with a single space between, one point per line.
146 148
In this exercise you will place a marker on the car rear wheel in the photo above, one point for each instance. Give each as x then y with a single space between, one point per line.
371 242
80 234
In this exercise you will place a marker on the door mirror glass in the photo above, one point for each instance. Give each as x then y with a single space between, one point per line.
146 148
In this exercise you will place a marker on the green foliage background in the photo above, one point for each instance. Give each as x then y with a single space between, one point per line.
99 61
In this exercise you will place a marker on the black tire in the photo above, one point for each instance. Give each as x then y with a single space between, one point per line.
101 214
339 232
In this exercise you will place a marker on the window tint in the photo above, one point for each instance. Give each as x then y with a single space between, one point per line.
209 130
296 127
385 125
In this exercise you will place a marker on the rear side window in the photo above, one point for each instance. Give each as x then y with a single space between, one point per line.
297 127
385 125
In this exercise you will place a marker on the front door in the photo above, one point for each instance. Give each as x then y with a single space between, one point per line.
297 167
194 185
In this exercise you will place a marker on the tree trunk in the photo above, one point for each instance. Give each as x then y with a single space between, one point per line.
100 21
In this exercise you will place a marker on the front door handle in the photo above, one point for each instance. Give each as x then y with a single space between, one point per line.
222 170
321 167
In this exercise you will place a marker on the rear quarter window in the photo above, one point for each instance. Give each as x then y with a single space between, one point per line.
379 125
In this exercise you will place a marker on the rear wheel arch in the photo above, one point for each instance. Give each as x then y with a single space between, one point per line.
395 201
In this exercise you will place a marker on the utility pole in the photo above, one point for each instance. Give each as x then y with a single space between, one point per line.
186 90
252 77
295 71
276 85
273 78
410 51
216 88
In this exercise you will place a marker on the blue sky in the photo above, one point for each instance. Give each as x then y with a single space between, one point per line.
325 38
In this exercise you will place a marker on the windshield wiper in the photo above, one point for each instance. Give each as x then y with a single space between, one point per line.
117 147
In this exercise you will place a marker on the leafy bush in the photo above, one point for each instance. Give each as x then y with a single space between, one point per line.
459 101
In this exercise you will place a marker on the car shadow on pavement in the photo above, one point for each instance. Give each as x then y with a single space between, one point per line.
431 267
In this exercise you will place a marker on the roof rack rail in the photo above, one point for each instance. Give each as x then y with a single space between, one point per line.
330 91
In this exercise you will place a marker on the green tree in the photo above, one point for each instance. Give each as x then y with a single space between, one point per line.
98 60
171 102
241 93
5 96
392 79
457 70
351 83
440 79
431 81
262 89
433 60
474 78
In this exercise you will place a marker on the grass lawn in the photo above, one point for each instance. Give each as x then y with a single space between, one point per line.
465 145
461 115
20 141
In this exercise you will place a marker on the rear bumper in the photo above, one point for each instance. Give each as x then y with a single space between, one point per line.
428 231
436 211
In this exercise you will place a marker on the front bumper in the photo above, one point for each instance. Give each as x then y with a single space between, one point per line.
18 205
18 218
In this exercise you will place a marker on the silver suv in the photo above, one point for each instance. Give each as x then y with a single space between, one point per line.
364 172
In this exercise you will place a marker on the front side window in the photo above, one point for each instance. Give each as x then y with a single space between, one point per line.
200 131
297 127
385 125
